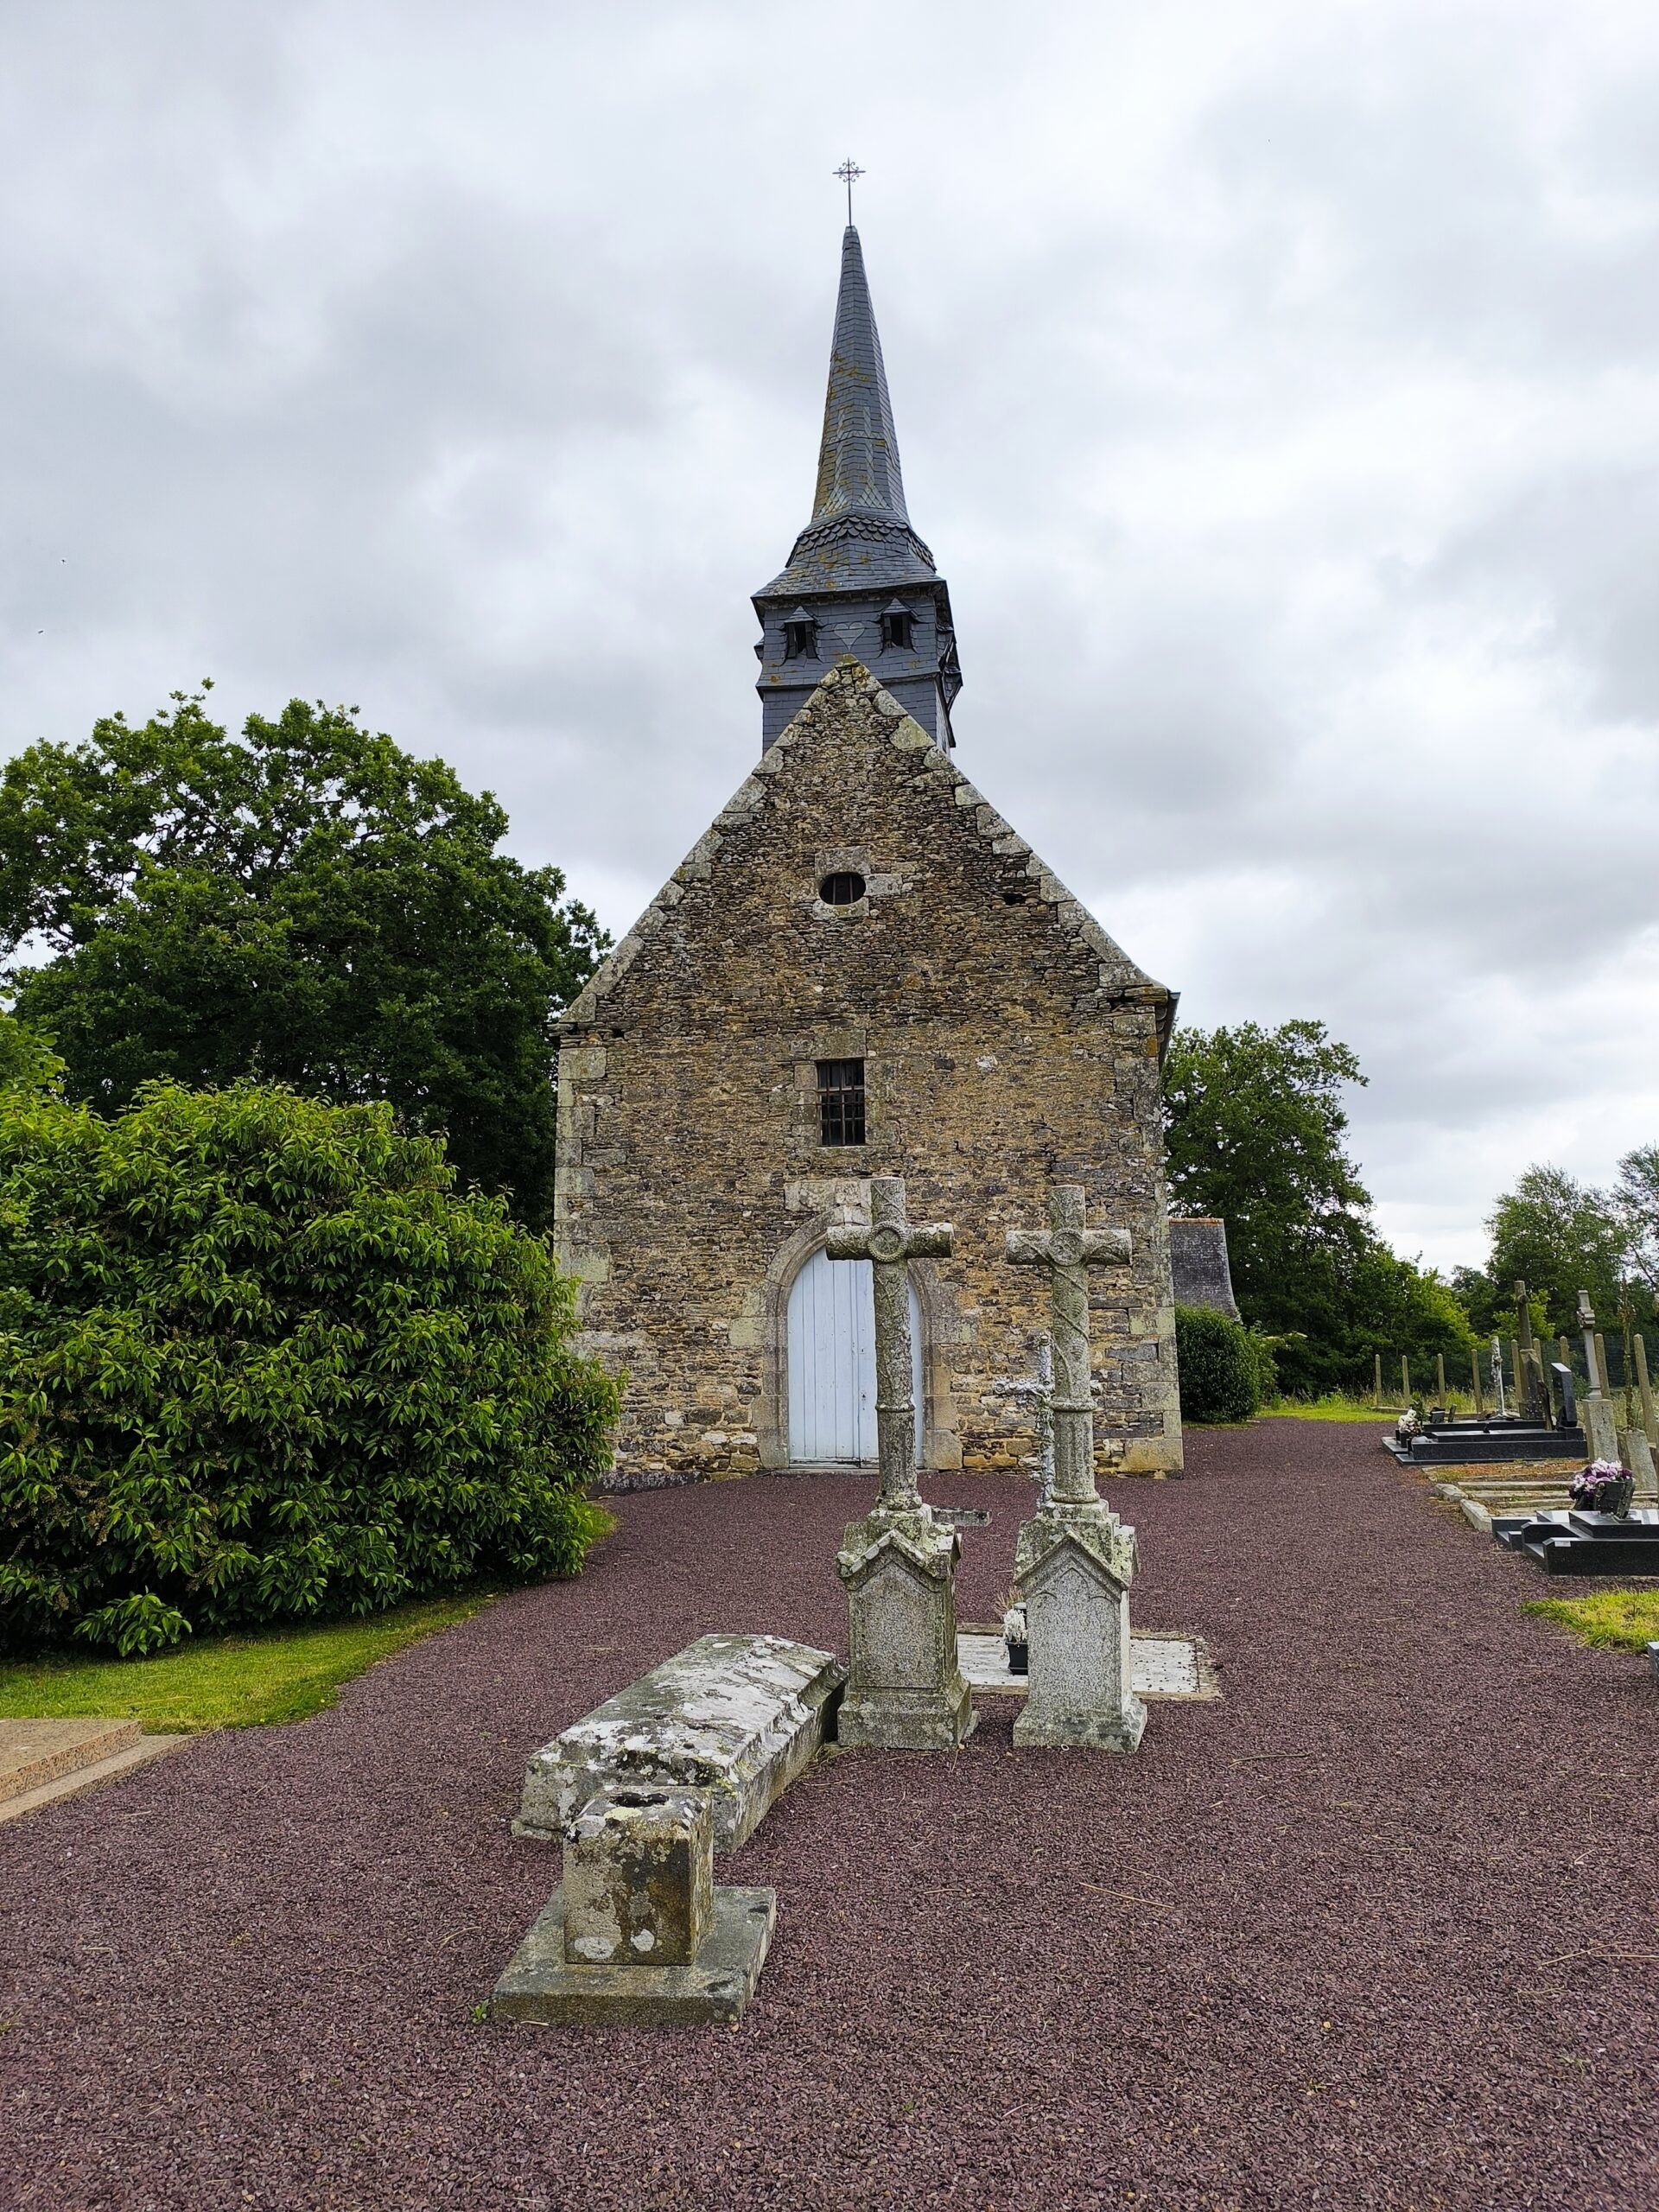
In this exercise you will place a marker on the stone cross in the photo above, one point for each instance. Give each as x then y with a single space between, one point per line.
1587 1325
890 1244
1039 1389
1067 1249
1497 1366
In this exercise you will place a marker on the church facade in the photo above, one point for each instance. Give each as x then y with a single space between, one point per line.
861 969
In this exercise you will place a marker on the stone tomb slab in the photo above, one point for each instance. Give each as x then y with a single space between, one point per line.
740 1716
1170 1669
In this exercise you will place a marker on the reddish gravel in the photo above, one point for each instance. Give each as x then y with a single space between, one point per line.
1378 1929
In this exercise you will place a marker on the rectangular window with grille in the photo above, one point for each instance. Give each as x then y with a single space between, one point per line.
841 1101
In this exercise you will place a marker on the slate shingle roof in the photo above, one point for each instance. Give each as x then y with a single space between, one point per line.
860 536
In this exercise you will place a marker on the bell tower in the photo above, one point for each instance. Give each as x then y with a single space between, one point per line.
859 579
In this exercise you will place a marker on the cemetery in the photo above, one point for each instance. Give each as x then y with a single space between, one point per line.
875 1699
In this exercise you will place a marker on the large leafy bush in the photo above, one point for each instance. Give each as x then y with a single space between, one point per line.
1226 1369
259 1360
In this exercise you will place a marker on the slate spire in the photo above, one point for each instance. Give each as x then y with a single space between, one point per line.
859 579
858 459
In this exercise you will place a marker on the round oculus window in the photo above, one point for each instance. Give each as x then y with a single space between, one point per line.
844 888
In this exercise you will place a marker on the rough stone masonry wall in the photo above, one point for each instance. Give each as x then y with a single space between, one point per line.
1007 1044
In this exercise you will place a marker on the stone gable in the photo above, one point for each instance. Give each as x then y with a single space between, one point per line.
1007 1043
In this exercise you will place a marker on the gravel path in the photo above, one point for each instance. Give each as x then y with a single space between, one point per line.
1379 1929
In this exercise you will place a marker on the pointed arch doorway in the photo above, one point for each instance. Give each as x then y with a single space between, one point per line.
832 1364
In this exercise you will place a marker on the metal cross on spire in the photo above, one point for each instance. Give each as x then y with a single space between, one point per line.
850 172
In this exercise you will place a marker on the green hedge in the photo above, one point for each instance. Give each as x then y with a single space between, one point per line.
257 1361
1226 1369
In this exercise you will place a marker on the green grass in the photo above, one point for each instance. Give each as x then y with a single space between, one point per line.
1335 1405
1612 1620
228 1682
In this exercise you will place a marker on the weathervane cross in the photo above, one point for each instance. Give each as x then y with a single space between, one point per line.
849 173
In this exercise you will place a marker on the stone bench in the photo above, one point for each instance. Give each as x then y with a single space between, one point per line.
739 1716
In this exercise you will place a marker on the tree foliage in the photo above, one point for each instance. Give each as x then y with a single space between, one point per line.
1227 1372
27 1059
1560 1236
259 1360
1635 1207
1257 1133
306 904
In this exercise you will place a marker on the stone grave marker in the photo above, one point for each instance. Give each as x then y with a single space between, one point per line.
636 1933
1074 1560
904 1689
736 1716
1600 1424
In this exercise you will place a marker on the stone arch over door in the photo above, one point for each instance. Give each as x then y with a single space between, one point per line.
937 1443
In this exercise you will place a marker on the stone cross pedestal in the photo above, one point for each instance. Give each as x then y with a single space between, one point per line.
637 1934
904 1689
1075 1560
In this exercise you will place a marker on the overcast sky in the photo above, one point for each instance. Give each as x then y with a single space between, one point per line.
1278 388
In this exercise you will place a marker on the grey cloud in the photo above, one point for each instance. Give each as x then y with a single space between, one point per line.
1279 398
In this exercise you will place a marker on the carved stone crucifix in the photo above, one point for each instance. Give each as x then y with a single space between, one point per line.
890 1244
1068 1249
1074 1560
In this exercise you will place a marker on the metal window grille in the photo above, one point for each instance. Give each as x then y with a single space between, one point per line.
844 888
841 1101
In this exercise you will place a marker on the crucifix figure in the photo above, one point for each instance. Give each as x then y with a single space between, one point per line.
905 1689
1037 1391
1075 1560
890 1244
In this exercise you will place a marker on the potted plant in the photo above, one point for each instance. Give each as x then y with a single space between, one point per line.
1013 1635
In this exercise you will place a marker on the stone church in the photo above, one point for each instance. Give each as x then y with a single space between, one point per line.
860 968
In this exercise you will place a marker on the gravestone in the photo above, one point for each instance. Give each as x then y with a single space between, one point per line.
904 1689
637 1934
1601 1423
1074 1560
736 1716
1532 1402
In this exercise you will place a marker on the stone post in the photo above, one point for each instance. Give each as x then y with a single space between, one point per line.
1405 1379
1377 1382
1474 1371
904 1689
1439 1379
1516 1388
1074 1560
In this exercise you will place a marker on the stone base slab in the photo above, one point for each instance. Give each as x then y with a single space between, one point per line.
1046 1726
1164 1667
540 1986
908 1720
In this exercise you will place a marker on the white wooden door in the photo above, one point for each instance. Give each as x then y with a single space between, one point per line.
832 1362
